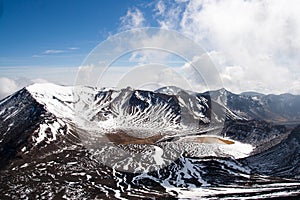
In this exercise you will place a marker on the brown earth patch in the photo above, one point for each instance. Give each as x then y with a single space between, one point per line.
121 137
212 140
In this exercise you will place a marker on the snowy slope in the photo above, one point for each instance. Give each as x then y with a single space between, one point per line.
141 114
59 100
84 142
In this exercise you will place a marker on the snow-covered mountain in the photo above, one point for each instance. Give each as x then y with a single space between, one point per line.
84 142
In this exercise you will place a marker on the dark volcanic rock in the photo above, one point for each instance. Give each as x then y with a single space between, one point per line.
20 116
252 132
282 160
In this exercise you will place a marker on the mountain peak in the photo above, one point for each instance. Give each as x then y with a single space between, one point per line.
48 87
56 99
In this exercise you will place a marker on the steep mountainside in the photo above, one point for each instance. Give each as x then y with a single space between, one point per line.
281 160
80 142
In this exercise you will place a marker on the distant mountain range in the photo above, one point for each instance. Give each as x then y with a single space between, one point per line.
83 142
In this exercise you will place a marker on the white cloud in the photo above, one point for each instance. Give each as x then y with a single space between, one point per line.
10 85
39 80
145 47
134 18
73 48
17 77
167 18
53 51
7 87
257 41
160 8
202 73
157 76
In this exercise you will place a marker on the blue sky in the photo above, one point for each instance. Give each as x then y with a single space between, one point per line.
254 44
56 32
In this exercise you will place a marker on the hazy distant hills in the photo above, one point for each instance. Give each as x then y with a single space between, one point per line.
280 108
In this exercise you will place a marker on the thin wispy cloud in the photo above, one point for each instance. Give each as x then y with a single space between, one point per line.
53 51
134 18
36 56
56 52
73 48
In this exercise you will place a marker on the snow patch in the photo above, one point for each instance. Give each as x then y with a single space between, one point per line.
158 155
25 165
